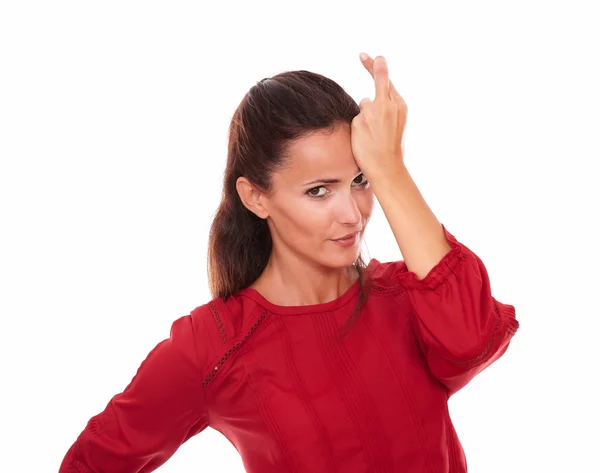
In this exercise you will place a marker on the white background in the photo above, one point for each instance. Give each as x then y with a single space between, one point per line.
113 127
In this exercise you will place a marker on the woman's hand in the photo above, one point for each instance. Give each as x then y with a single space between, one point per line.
376 132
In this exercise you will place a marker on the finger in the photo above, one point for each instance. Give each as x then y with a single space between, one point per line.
382 79
363 102
368 63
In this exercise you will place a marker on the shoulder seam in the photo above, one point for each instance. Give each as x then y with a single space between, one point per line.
219 321
208 378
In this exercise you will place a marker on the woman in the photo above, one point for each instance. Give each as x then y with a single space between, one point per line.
307 359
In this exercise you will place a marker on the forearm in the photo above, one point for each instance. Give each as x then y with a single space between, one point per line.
416 229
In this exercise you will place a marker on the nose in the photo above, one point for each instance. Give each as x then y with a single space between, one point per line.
348 210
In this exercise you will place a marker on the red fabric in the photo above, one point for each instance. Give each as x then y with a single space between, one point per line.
292 395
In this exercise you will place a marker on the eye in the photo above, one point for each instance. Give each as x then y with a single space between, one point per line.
311 193
314 192
364 183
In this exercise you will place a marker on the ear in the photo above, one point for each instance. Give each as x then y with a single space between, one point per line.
252 198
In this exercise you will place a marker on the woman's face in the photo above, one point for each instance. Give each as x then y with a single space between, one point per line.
320 196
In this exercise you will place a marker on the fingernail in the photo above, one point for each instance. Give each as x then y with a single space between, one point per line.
363 56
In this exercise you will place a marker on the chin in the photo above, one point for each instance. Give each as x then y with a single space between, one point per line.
343 258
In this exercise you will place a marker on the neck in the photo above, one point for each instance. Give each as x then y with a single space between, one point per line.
285 282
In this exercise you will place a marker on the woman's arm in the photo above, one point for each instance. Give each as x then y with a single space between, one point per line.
460 326
161 408
416 229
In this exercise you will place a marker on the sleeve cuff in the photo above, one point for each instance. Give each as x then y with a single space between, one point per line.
439 273
507 314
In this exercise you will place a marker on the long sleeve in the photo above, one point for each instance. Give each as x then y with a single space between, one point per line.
460 327
161 408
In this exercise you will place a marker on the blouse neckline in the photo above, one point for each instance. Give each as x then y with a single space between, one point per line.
330 306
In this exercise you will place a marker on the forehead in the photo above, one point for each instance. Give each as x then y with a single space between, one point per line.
321 155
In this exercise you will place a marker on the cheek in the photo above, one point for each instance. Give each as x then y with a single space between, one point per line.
302 218
311 218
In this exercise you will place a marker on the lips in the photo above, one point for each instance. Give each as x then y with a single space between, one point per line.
347 237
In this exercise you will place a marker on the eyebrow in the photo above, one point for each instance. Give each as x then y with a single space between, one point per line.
328 181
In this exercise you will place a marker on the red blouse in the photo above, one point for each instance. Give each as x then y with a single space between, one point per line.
292 395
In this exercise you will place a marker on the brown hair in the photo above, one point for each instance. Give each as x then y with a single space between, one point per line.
275 112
